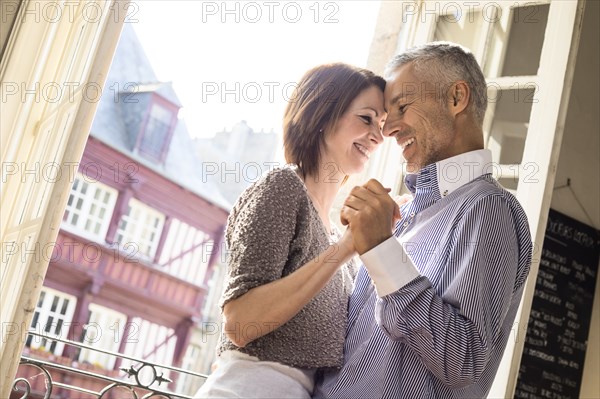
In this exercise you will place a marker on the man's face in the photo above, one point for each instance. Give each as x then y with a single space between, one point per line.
421 123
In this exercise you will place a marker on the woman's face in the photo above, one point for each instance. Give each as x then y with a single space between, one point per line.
349 144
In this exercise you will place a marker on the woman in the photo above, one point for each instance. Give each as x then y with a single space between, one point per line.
285 301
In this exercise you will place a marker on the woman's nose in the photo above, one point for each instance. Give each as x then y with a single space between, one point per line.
376 135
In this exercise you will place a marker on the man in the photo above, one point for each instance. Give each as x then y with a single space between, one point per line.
434 304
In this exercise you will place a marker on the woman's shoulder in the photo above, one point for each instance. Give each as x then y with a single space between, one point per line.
282 181
286 175
275 201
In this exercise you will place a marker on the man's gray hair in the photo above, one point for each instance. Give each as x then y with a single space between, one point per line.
443 63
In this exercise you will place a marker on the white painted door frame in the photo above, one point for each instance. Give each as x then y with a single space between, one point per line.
51 77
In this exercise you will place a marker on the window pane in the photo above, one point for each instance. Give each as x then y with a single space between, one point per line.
34 322
49 324
54 304
113 325
100 200
65 305
526 40
48 316
464 30
59 324
516 43
509 183
509 127
41 300
141 227
157 129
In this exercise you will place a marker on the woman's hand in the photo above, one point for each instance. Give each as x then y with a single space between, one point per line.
401 200
371 213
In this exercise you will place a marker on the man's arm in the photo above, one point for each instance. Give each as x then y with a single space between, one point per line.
454 326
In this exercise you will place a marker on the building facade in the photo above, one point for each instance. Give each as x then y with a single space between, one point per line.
235 158
140 238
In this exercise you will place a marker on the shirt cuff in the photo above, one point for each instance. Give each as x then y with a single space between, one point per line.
389 266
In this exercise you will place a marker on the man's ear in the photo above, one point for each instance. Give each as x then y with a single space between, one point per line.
459 95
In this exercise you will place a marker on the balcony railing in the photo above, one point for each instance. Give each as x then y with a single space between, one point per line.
66 378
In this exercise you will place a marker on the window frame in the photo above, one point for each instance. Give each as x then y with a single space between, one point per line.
44 317
88 203
127 238
157 102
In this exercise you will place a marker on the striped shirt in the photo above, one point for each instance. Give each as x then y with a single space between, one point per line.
433 307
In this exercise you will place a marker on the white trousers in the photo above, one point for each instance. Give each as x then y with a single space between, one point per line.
238 375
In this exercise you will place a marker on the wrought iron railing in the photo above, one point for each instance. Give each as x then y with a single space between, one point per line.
139 379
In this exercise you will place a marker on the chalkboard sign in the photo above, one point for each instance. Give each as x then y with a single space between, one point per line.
557 333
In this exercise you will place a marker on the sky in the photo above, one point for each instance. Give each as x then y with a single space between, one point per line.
239 60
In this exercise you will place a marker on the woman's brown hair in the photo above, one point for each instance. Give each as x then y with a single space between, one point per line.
321 97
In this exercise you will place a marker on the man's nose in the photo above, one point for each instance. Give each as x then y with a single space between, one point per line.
389 128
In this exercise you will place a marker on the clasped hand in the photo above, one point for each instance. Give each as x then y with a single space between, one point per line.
370 214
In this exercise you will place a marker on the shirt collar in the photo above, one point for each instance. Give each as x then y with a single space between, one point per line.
451 173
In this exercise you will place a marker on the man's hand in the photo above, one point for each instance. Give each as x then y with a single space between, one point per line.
371 214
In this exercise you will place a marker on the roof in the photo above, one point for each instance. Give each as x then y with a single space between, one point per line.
164 89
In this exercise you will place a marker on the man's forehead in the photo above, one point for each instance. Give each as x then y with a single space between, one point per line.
407 87
400 90
401 83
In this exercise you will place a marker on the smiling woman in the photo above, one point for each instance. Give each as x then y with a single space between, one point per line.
289 271
238 60
348 148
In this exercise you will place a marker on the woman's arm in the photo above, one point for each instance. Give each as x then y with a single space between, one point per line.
265 308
